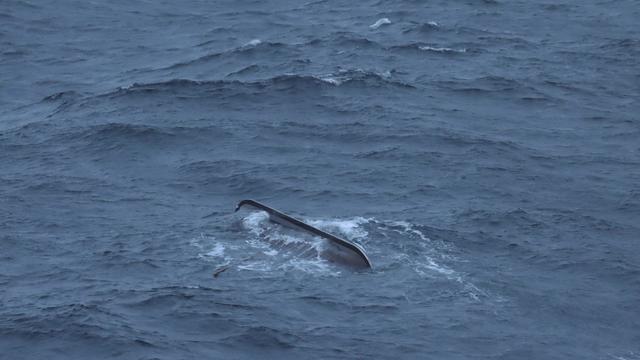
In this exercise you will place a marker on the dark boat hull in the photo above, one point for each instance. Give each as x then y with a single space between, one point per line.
339 250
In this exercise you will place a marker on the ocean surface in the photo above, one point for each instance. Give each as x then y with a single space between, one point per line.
484 153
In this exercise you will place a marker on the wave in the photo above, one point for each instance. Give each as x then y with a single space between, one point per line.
263 338
208 166
88 324
389 151
394 144
62 96
250 48
107 141
431 48
632 45
359 76
108 133
6 16
493 84
346 39
106 137
75 185
621 50
631 202
509 218
422 27
234 175
492 40
234 182
250 69
354 77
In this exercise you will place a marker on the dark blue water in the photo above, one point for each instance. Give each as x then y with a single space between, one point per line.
486 154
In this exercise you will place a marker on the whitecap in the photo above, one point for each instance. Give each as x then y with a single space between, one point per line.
331 80
260 266
255 221
272 252
311 266
350 228
344 75
288 239
432 265
254 42
217 251
409 228
442 49
380 22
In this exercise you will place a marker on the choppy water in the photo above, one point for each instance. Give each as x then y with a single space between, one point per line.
486 154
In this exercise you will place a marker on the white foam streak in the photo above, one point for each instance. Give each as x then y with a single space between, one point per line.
429 261
254 222
331 80
261 266
271 252
431 264
217 251
407 227
210 249
442 49
343 76
380 22
350 228
313 266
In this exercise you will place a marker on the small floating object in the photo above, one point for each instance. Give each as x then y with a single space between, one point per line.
380 22
220 270
338 250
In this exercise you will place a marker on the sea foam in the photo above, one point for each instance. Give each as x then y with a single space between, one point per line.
380 22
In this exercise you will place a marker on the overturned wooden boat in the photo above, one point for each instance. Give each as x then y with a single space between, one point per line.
338 250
